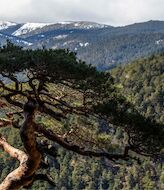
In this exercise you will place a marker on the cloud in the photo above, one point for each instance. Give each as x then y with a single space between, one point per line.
115 12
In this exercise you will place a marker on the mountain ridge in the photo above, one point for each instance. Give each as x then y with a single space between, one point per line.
102 45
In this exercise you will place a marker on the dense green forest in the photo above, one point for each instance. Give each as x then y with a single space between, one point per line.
142 83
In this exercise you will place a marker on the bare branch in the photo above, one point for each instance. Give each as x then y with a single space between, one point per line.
52 136
5 122
17 175
45 177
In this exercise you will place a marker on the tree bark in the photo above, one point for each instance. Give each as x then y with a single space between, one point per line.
30 159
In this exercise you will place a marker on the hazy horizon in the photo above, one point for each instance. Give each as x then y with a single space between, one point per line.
18 22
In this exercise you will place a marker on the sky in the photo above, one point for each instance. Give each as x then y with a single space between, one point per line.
112 12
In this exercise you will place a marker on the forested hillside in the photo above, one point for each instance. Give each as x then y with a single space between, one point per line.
141 82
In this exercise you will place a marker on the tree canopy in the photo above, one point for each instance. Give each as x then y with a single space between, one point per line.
50 87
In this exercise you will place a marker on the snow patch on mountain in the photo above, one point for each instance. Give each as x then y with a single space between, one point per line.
59 37
6 24
24 42
28 27
88 25
41 36
83 44
158 42
82 24
64 22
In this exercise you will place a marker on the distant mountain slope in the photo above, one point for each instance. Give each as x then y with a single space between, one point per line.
143 84
66 26
28 27
98 44
4 25
13 39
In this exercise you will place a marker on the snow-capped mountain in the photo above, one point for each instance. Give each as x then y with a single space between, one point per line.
6 24
25 31
83 25
101 45
29 27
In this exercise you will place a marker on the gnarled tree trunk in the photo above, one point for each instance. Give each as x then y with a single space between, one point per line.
30 159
